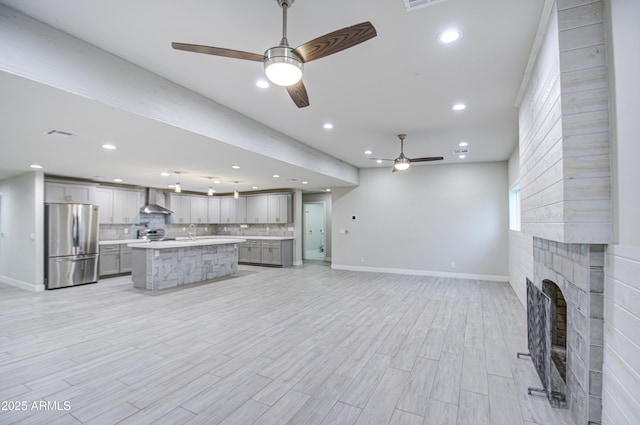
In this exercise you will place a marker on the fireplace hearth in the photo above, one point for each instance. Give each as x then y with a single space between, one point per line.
565 303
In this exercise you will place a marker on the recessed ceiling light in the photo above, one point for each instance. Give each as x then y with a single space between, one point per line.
254 187
305 182
165 174
171 186
449 36
216 181
368 152
235 167
118 180
109 147
459 107
36 166
328 126
379 161
275 176
462 156
463 144
263 84
327 190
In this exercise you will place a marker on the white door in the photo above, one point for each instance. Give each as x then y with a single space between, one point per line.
314 231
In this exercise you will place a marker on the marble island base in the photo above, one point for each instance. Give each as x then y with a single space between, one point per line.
156 269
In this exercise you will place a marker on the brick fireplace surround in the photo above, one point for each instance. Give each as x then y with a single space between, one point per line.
578 270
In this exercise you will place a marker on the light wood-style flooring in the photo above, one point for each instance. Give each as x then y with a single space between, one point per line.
305 345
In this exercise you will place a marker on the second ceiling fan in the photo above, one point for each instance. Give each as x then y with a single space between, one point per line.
403 162
283 64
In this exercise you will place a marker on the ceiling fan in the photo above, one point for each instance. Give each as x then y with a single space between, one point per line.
283 64
403 162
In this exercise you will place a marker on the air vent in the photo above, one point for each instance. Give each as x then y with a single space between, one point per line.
417 4
59 133
460 151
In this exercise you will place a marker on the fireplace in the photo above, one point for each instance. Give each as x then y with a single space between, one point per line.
565 304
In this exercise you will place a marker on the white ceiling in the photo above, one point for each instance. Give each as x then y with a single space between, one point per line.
402 81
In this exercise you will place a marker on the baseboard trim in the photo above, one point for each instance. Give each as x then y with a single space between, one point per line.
22 285
493 278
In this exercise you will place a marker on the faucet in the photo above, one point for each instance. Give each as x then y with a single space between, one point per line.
192 235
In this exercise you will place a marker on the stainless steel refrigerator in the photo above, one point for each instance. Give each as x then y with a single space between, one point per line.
71 245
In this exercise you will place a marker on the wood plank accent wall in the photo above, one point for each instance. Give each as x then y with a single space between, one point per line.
564 131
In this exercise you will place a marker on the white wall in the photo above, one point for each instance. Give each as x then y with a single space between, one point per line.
621 380
421 220
22 231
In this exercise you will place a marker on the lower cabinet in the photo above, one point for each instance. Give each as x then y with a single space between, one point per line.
267 252
114 259
249 252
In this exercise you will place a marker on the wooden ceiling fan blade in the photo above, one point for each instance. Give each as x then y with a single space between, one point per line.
427 159
218 51
336 41
299 94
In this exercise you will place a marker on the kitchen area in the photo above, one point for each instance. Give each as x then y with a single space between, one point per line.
140 229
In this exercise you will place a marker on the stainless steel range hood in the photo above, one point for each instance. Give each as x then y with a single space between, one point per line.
151 207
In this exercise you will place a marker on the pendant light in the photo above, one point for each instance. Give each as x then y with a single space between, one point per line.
178 187
211 190
236 194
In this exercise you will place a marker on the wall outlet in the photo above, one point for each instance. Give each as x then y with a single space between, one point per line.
453 264
126 231
362 259
156 253
206 229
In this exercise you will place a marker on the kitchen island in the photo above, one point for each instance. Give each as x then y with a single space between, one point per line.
167 264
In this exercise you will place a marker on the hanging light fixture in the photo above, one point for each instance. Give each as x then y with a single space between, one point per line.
236 194
177 187
211 190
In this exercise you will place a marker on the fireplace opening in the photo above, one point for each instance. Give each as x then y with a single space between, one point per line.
558 322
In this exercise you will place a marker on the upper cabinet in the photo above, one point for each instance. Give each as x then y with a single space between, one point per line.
118 206
199 209
228 210
213 210
181 207
69 193
257 207
280 208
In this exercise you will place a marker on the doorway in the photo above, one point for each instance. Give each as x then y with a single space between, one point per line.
313 243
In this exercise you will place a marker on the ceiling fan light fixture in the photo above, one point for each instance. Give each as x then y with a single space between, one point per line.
402 163
282 66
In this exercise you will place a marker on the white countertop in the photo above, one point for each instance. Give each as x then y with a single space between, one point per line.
184 243
181 238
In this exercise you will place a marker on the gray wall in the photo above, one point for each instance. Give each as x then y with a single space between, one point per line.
22 231
421 220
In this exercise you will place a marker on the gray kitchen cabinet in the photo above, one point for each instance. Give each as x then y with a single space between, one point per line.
213 210
280 208
118 206
109 261
267 252
126 206
114 259
104 199
199 207
181 207
67 193
250 252
241 209
125 259
228 210
257 207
